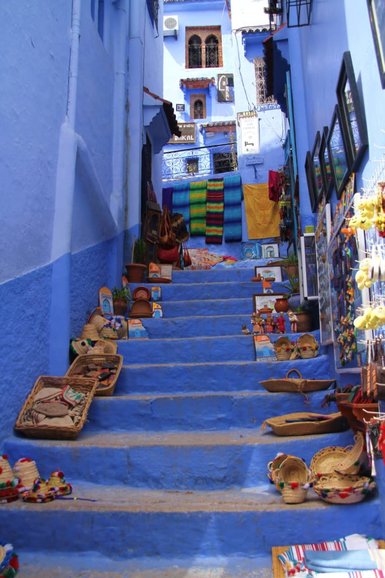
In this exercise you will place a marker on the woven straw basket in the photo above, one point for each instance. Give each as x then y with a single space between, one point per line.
273 467
307 346
306 423
81 363
283 348
104 347
344 489
332 459
296 384
293 479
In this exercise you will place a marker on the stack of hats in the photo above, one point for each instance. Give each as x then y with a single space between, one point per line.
26 470
58 484
90 332
8 482
9 563
40 492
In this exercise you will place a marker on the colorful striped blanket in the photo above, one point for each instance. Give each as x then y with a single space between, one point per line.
181 201
215 210
198 195
233 208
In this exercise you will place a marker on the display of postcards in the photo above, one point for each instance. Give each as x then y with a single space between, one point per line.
270 251
105 301
264 349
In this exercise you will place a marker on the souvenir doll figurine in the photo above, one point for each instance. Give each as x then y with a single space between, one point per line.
281 325
257 323
269 327
293 321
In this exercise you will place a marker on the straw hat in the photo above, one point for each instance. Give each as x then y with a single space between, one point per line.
58 484
39 493
90 332
26 470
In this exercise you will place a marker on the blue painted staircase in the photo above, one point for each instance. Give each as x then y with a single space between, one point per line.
170 472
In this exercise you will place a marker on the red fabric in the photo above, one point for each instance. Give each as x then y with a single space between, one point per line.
276 181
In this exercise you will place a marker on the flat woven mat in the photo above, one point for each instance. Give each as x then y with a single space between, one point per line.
278 571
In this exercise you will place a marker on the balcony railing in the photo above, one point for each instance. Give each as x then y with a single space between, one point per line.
199 162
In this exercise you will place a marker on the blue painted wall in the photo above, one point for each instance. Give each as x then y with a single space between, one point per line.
66 172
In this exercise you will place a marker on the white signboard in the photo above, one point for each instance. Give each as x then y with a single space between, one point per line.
249 130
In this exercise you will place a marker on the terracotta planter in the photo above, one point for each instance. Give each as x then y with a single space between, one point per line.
135 272
281 305
292 271
120 307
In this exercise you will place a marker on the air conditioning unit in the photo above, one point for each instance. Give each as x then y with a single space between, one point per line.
170 25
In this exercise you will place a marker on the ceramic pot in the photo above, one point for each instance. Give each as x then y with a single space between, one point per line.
120 307
135 272
304 322
281 305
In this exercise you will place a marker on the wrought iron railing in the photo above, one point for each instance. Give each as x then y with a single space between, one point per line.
199 162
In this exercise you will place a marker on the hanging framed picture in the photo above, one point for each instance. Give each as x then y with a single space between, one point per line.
339 159
316 162
310 181
326 168
352 113
377 21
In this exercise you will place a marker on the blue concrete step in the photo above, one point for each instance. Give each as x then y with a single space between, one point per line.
217 376
199 411
189 326
129 524
92 565
214 460
198 349
213 290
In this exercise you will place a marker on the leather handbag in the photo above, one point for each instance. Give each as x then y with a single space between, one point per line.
167 237
168 254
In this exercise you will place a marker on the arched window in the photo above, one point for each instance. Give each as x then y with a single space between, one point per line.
198 109
212 55
195 52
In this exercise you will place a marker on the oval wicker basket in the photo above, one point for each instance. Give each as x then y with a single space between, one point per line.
283 348
83 364
344 489
353 458
307 346
297 384
293 480
306 423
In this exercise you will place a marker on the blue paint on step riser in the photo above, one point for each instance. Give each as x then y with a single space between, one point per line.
196 349
234 306
223 290
214 275
174 467
120 535
196 326
233 376
188 413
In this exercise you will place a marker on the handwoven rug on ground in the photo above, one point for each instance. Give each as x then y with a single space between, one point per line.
233 208
202 259
215 211
198 195
181 201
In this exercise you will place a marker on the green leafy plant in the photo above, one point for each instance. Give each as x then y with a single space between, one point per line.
291 259
121 293
139 251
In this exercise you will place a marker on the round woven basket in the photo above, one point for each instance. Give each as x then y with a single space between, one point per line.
283 348
98 321
328 460
104 346
343 489
90 332
273 466
307 346
293 479
351 463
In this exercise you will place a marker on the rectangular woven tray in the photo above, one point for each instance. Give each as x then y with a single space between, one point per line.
82 361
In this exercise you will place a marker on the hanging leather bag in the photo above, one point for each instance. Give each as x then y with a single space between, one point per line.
167 237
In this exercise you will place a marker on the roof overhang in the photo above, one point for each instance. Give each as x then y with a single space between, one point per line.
159 119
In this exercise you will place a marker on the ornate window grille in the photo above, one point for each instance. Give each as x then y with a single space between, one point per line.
260 82
201 162
195 52
192 166
211 47
224 162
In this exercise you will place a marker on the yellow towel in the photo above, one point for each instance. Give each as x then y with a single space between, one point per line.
262 215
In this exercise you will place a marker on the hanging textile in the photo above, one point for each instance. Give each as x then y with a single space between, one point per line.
181 201
167 193
198 196
233 208
262 215
215 210
276 184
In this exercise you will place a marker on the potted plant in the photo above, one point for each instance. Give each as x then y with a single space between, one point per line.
291 266
137 268
281 304
121 298
307 316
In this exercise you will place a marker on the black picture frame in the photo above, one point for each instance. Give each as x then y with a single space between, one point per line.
352 113
316 162
339 159
326 168
377 22
310 181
